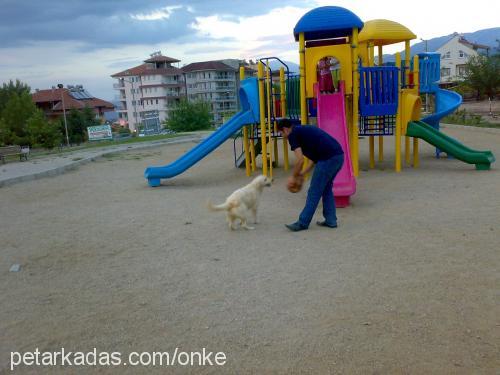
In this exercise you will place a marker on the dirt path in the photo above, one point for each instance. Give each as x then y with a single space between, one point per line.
408 283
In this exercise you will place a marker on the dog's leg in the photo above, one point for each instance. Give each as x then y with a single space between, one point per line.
254 214
230 220
244 224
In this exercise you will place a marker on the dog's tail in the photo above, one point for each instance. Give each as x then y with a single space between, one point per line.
221 207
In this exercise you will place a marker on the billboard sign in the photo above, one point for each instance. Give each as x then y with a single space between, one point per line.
98 133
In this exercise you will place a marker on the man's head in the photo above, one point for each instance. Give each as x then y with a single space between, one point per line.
285 126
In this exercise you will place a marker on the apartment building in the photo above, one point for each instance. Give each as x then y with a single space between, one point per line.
148 91
216 83
454 56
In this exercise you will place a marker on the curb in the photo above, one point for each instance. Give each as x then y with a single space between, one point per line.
75 164
472 128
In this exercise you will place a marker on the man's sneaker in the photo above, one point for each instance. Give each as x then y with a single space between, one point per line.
325 224
295 227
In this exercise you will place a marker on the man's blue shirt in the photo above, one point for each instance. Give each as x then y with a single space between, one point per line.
316 144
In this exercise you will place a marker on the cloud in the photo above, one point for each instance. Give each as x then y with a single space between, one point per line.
86 41
111 23
158 14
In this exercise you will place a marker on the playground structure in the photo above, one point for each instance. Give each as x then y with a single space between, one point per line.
370 100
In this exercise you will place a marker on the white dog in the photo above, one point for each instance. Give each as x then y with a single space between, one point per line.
241 201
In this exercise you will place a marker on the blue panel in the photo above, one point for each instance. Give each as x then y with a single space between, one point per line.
429 71
327 22
378 91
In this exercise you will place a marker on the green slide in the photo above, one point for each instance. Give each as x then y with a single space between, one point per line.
420 129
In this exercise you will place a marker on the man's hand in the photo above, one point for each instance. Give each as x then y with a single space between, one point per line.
294 183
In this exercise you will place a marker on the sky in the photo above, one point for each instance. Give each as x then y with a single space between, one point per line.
47 42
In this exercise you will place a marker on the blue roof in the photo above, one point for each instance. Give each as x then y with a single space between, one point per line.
327 22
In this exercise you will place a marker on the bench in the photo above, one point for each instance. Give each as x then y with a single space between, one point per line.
22 151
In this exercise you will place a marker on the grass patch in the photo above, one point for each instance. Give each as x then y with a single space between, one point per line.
462 117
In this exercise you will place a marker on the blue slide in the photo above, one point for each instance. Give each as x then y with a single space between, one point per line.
446 102
249 114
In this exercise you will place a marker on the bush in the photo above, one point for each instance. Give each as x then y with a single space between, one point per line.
465 91
42 132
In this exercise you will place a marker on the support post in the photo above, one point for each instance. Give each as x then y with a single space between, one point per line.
269 120
397 163
302 69
245 135
283 114
262 113
380 137
416 82
355 104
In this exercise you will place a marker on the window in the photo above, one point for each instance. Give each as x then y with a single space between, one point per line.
156 101
446 55
461 70
445 72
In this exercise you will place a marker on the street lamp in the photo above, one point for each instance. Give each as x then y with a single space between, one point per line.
60 86
133 101
425 41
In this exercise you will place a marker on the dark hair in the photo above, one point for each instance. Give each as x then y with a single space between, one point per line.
284 123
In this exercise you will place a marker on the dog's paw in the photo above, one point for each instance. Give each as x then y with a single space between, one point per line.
248 228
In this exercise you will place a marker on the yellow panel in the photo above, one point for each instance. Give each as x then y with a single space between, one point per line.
383 32
411 106
363 53
314 54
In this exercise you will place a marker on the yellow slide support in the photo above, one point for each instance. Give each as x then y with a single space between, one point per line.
262 113
283 114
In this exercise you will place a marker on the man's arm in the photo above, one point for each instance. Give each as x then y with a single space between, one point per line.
299 164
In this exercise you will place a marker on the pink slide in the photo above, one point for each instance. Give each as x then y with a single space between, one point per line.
331 118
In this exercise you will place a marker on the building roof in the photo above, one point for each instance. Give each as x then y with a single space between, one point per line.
327 22
472 45
55 96
145 69
96 102
383 32
207 65
161 58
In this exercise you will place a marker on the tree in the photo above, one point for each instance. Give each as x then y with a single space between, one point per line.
186 116
18 109
78 122
5 134
11 89
42 132
483 75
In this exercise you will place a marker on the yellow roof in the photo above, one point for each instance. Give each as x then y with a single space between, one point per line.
383 32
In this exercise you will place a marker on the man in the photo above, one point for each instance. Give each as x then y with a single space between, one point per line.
327 156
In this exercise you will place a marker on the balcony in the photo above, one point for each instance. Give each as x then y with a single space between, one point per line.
224 98
222 78
119 85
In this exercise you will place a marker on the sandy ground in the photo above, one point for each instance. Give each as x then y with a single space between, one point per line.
408 284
